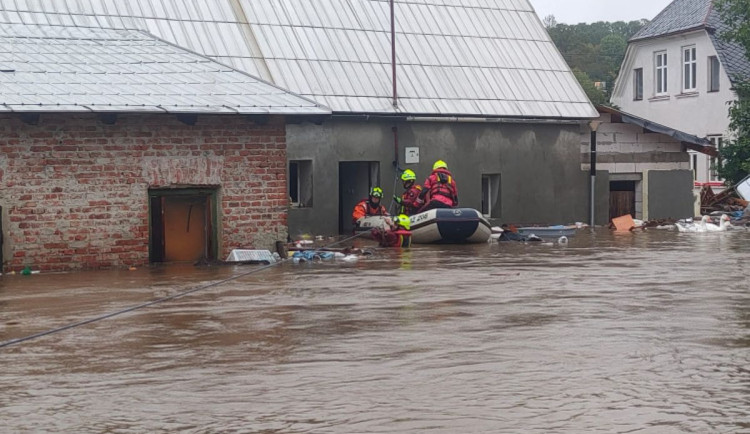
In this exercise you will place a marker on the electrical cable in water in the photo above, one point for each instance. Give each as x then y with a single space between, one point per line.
153 302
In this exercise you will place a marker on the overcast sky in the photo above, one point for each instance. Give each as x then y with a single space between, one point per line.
589 11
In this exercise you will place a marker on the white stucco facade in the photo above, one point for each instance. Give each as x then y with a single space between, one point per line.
700 111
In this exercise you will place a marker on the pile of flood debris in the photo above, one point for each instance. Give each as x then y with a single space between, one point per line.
727 209
726 202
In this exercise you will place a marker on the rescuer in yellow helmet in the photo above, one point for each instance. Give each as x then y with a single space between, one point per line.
439 188
409 202
370 206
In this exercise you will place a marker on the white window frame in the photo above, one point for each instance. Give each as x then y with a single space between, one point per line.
689 69
715 162
637 84
491 195
714 74
661 73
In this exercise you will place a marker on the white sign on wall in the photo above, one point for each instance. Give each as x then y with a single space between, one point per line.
412 155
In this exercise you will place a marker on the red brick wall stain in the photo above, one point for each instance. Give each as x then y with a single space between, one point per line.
76 190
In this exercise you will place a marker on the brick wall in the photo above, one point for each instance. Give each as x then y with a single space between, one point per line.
74 190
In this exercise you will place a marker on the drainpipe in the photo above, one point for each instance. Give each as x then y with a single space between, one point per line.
393 55
592 173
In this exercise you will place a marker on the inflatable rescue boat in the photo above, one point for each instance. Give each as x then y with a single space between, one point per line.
450 226
368 223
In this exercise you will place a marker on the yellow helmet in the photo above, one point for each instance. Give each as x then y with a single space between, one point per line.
408 175
403 221
439 164
376 192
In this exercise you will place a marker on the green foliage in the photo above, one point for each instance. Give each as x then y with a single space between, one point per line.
596 50
595 95
736 14
735 154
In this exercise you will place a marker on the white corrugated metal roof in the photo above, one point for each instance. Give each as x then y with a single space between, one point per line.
53 68
455 57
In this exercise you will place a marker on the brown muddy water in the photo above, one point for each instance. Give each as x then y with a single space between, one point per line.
646 332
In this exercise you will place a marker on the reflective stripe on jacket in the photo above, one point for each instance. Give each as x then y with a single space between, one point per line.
410 200
390 238
445 192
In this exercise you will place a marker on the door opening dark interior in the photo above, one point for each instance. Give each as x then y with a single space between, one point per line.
183 225
355 180
621 198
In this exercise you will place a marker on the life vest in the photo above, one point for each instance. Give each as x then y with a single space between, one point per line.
442 187
363 209
394 238
410 201
404 238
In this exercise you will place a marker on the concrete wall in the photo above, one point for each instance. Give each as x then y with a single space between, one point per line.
628 152
627 148
670 194
74 191
539 164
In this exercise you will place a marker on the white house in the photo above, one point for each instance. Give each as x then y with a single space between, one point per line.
678 72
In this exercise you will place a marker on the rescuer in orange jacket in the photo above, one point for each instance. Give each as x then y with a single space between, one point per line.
370 206
439 188
409 202
398 236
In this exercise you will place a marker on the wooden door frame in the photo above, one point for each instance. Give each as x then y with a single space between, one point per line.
212 210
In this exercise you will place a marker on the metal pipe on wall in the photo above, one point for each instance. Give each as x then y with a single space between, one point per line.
592 173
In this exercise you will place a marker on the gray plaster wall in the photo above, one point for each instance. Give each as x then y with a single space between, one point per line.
601 214
539 164
670 194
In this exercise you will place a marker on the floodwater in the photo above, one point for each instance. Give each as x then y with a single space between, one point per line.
646 332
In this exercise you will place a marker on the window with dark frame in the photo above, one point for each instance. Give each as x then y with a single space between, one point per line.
714 69
694 165
300 183
638 84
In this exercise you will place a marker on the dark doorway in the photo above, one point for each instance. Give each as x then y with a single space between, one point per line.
355 180
182 225
621 198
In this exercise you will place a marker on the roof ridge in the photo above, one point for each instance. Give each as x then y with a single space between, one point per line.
679 16
708 12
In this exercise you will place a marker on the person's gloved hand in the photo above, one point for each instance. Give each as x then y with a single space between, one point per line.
398 200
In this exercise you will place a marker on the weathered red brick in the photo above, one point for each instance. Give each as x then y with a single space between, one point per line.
77 190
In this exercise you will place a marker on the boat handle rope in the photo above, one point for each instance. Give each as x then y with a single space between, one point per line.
157 301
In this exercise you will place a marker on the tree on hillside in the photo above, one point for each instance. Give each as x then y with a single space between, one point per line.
595 49
735 154
596 96
549 21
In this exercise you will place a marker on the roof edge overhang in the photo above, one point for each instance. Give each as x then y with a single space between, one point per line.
675 33
455 117
690 141
312 116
